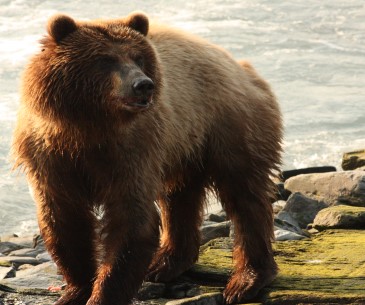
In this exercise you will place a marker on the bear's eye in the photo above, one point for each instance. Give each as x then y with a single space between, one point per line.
107 62
139 60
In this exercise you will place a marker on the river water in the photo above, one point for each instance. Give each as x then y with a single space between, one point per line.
312 52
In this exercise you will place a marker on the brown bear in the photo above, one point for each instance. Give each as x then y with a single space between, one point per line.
117 115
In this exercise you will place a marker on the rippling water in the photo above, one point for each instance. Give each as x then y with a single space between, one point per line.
312 52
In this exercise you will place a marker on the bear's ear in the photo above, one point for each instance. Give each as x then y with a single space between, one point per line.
60 26
138 21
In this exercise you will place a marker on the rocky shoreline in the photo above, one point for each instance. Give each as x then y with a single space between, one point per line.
320 246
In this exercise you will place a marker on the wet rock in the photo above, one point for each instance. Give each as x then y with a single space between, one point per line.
215 230
340 217
204 299
302 209
353 160
331 188
308 170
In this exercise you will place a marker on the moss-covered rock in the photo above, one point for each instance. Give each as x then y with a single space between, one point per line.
353 160
340 217
327 269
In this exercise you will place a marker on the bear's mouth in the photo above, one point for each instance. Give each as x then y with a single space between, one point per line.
136 104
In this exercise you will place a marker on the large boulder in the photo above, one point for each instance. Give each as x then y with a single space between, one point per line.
302 209
331 188
353 160
340 217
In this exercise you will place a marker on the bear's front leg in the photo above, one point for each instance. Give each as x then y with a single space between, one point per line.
67 227
181 217
131 236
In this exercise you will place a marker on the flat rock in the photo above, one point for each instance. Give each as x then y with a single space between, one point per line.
353 160
331 188
7 247
26 252
340 217
34 280
22 242
302 208
327 269
17 261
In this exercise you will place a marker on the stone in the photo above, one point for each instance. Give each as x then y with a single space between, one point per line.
284 218
281 235
25 252
150 291
7 272
215 230
22 242
181 290
278 206
281 192
353 160
340 217
308 170
329 268
38 278
331 188
17 261
204 299
7 247
291 226
216 217
44 257
302 208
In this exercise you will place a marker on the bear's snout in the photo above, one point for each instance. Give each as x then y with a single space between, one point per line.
143 87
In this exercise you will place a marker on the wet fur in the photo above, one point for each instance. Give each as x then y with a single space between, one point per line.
214 124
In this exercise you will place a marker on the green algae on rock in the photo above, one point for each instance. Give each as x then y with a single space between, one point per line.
353 160
340 217
329 268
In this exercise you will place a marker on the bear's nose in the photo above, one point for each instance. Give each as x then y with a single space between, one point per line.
143 86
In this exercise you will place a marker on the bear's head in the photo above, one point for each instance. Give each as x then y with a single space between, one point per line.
93 71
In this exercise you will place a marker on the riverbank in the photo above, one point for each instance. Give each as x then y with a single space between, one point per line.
320 243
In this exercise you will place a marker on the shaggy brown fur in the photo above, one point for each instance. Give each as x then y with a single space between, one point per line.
118 114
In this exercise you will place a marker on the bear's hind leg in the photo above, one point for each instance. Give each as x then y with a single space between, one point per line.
246 199
181 217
